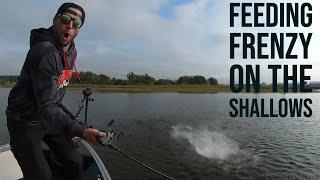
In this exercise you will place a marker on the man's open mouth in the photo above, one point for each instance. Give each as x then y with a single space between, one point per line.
66 35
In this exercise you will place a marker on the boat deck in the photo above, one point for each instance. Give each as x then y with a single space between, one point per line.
93 167
9 167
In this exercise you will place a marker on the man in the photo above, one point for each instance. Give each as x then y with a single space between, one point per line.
35 112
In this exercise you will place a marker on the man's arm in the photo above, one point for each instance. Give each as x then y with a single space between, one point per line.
44 76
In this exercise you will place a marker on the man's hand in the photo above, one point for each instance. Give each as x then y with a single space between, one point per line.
91 134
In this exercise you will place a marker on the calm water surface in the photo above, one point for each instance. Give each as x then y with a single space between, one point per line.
191 136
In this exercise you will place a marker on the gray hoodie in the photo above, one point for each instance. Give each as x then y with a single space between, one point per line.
41 85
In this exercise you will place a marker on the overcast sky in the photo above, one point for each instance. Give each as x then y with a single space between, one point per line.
164 38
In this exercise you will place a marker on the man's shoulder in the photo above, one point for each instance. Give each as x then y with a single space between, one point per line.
43 53
43 48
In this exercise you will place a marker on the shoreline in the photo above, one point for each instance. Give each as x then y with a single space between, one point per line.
201 89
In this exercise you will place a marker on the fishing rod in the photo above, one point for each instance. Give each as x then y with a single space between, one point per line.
110 134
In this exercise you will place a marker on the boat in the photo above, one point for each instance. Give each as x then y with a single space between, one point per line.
93 167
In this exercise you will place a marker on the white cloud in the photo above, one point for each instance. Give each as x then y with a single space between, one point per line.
122 36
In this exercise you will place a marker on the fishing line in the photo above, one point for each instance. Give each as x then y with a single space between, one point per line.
106 141
113 147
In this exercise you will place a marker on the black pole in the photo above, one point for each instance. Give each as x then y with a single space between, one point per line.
86 111
86 93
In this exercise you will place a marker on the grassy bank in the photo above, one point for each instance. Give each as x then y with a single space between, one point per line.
157 88
148 88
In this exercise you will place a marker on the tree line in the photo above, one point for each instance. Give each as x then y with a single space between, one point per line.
8 79
141 79
89 77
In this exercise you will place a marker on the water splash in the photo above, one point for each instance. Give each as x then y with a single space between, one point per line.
209 144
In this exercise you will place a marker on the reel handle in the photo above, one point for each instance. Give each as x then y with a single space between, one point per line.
106 140
111 122
110 136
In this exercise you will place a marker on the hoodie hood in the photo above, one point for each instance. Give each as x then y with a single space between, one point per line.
43 34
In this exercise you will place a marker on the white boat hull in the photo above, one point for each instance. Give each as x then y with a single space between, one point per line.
9 167
94 167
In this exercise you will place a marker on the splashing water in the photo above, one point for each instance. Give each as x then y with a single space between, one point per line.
208 144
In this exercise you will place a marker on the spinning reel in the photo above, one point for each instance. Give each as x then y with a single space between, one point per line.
110 136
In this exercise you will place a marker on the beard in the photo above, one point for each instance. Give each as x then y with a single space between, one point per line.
64 37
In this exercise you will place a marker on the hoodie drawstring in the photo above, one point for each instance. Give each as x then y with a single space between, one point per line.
64 60
74 66
73 60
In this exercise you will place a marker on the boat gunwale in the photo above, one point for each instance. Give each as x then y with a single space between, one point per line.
104 172
5 147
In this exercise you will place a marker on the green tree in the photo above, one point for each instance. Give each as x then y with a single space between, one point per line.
140 79
131 77
104 79
165 82
184 80
213 81
198 80
192 80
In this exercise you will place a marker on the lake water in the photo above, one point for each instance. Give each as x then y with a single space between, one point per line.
191 136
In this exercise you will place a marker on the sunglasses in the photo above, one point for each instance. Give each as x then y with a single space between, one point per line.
66 19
